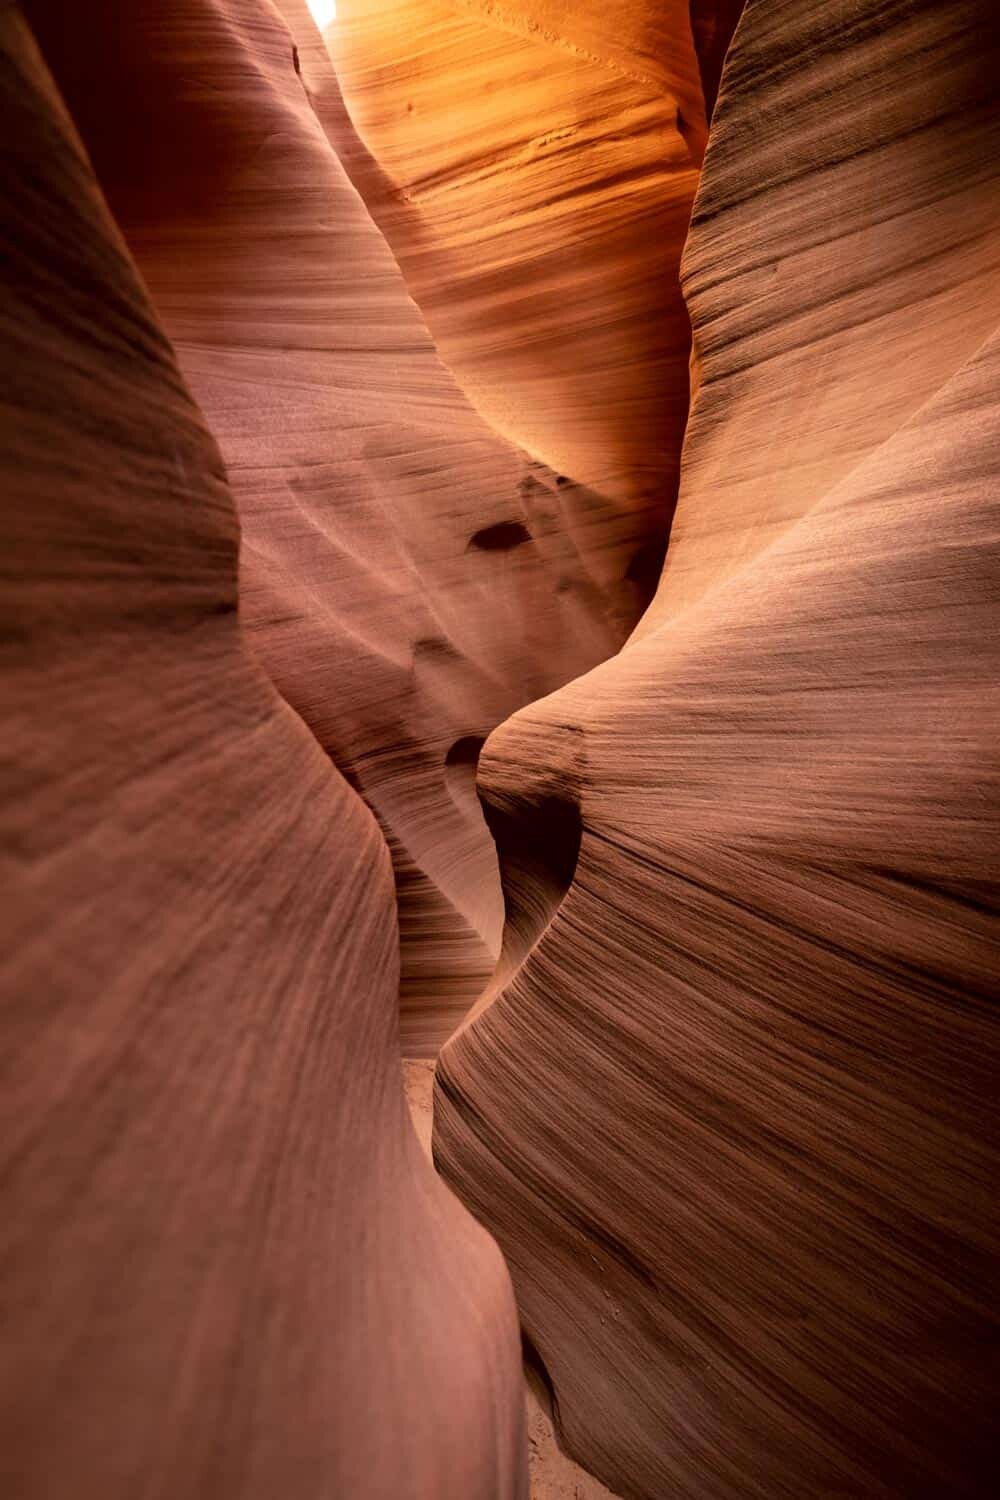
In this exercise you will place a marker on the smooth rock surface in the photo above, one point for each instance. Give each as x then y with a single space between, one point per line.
732 1110
728 1099
408 579
540 160
843 261
552 1474
225 1266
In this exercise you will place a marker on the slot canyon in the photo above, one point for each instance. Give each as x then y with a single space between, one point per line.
500 794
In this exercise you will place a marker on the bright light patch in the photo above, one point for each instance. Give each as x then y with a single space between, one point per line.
323 12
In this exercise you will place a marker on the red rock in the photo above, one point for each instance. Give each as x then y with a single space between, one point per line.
225 1269
408 579
731 1112
728 1100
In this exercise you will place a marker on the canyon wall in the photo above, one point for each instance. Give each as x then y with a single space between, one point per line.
408 579
225 1267
539 165
730 1106
279 556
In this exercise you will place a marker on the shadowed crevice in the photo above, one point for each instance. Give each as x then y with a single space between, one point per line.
501 537
534 817
713 24
460 765
538 1378
646 565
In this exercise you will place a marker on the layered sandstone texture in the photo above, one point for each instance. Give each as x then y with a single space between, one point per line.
539 159
727 1097
225 1267
730 1109
408 578
552 1474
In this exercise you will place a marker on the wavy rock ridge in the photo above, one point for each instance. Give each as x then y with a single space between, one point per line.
540 162
276 549
730 1113
225 1268
407 578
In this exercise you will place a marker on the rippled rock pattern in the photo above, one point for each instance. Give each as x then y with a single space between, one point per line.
731 1112
540 161
225 1269
408 579
279 558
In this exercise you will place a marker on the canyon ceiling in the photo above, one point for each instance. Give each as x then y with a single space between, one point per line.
501 564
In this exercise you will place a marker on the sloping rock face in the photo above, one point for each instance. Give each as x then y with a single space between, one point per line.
541 160
225 1269
728 1099
839 269
408 579
731 1112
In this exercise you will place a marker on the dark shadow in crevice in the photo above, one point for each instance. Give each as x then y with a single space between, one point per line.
460 765
646 565
435 646
713 24
465 751
500 537
537 831
538 1379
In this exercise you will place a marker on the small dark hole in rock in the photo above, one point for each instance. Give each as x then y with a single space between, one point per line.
434 645
465 752
646 565
501 537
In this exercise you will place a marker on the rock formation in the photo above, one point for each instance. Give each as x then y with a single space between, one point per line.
280 555
408 579
541 160
225 1268
730 1111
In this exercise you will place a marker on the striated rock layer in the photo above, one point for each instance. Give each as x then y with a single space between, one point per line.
225 1269
731 1112
408 579
540 158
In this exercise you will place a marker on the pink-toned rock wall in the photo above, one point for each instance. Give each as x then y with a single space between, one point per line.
408 579
727 1100
225 1268
732 1110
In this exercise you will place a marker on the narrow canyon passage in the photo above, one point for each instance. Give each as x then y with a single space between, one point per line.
500 575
